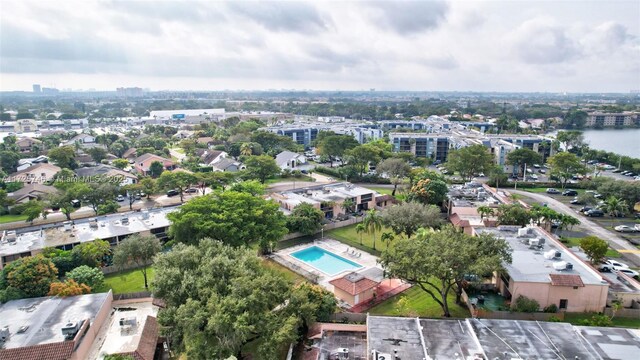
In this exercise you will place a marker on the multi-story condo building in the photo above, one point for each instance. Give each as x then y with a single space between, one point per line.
600 119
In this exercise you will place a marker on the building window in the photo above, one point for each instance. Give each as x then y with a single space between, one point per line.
366 198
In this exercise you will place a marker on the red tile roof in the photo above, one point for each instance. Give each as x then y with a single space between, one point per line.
353 283
566 280
52 351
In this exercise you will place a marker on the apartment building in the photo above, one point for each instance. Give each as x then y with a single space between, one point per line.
601 119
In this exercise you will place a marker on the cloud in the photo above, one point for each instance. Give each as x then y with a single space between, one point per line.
541 41
21 43
280 16
409 17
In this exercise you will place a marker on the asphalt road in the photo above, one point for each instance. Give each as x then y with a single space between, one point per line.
588 226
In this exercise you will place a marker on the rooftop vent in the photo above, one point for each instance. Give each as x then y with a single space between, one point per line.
93 223
70 330
125 221
557 254
523 232
10 236
560 265
569 266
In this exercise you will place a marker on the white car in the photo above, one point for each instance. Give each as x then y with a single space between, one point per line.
624 229
612 265
629 272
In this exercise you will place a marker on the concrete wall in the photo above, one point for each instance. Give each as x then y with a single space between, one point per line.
344 296
587 298
86 342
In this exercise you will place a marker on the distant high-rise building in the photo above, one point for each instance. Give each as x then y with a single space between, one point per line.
50 90
130 92
36 88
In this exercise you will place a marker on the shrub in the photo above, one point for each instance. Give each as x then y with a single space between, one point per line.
526 305
597 320
108 208
68 288
90 276
551 309
554 319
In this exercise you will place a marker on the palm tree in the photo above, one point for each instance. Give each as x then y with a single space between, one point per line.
359 230
387 237
484 211
347 205
615 206
245 149
373 222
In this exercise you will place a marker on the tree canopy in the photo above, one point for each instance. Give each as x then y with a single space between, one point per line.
305 219
438 261
235 218
220 298
521 157
137 250
470 161
408 217
261 167
595 248
564 165
429 188
396 169
31 275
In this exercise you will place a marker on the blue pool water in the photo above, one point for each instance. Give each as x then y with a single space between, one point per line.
325 261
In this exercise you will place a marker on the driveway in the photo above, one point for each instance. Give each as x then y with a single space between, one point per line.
628 251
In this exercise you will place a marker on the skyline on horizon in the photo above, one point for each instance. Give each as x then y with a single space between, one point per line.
483 46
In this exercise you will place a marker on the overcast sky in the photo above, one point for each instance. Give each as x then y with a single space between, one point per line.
573 46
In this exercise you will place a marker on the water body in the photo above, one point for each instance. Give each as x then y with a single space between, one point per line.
620 141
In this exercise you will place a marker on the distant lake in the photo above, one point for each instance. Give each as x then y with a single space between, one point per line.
619 141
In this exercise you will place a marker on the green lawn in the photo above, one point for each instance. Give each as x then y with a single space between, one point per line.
127 281
383 190
11 218
288 274
417 303
575 318
349 236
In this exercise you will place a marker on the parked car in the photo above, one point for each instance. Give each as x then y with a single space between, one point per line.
119 198
569 192
542 171
191 190
617 171
76 203
595 213
624 229
171 193
629 272
585 209
575 201
637 227
553 191
612 265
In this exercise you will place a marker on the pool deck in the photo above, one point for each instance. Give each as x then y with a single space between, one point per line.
366 260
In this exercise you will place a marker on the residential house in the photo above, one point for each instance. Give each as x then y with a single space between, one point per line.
28 192
207 140
27 144
290 160
126 178
354 288
130 154
210 157
38 173
143 162
227 164
27 162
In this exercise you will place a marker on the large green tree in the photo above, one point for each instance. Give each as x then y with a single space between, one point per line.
571 140
93 277
438 261
361 156
236 218
333 145
408 217
513 214
220 299
305 219
261 167
595 248
63 156
373 223
522 157
396 169
564 166
429 187
177 180
137 250
470 161
92 253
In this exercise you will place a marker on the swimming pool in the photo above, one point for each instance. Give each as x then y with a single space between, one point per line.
325 261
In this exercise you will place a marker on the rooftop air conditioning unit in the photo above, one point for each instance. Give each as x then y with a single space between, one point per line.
131 321
534 242
67 225
70 330
550 254
4 334
384 357
11 236
569 266
523 232
557 254
560 265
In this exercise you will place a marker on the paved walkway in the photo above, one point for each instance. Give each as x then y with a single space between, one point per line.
628 250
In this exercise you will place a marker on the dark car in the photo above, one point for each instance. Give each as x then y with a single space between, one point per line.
171 193
569 193
76 203
553 191
575 202
191 190
595 213
584 209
